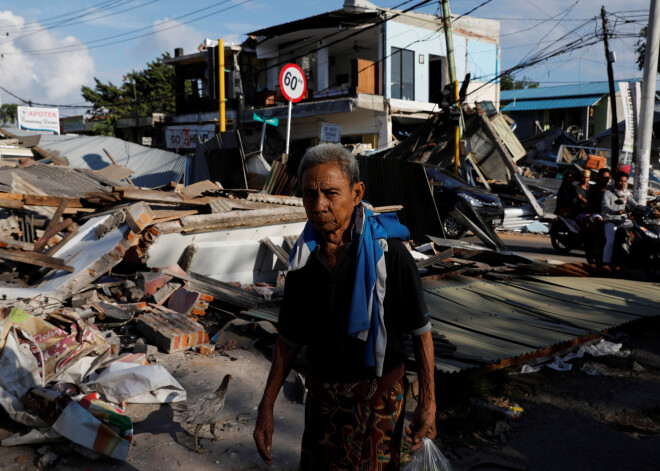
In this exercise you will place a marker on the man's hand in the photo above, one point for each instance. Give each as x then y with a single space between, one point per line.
422 425
263 429
263 432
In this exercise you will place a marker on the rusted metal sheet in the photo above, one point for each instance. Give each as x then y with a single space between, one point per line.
502 323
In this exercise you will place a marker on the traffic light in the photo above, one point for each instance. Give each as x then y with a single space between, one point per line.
212 72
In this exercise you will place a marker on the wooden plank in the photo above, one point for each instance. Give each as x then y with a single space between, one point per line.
16 244
55 220
177 213
109 196
116 172
32 258
243 218
54 201
55 248
156 196
43 240
11 204
196 189
12 196
279 252
127 178
218 289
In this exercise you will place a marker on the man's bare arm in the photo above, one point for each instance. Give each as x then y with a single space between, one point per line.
423 423
279 370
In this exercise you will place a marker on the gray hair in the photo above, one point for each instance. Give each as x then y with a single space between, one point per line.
327 153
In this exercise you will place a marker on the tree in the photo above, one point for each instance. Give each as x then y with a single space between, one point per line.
141 93
8 114
508 83
640 49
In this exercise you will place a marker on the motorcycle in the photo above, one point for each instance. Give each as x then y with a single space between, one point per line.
565 234
636 244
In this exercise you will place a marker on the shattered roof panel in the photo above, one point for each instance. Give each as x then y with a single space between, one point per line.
152 167
55 180
551 104
490 322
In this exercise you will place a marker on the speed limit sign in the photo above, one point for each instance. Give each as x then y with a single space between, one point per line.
293 83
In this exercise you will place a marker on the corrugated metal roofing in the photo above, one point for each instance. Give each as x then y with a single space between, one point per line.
56 180
152 167
488 322
551 104
561 91
324 20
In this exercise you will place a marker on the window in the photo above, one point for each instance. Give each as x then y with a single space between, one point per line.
403 74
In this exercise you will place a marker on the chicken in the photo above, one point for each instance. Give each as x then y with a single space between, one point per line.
205 411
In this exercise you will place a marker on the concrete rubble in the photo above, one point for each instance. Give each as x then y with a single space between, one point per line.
100 278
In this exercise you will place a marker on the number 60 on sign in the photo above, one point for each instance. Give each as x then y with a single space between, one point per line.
293 83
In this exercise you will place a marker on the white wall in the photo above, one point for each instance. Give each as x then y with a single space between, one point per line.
479 56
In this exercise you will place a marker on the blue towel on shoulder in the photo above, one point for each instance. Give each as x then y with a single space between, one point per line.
367 317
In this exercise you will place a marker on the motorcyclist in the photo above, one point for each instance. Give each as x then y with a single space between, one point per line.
596 191
565 195
616 200
580 203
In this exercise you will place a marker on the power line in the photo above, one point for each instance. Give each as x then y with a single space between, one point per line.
70 22
47 20
86 46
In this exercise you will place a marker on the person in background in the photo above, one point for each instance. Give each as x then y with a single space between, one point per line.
596 191
580 204
565 195
616 201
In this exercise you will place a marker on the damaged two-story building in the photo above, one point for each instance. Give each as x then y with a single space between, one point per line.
375 71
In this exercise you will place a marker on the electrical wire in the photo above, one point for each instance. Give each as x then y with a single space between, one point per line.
44 21
206 13
72 23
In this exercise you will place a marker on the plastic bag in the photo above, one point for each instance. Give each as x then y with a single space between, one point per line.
428 458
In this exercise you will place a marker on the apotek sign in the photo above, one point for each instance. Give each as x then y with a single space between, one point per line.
185 137
39 119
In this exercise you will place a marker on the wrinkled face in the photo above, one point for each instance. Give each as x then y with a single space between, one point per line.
621 183
329 199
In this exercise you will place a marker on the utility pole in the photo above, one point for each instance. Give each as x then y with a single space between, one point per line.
451 65
610 77
221 83
643 144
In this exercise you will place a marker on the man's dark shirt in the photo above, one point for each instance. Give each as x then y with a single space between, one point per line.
316 307
578 205
595 198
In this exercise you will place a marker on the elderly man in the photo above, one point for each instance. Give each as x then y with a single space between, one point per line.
351 296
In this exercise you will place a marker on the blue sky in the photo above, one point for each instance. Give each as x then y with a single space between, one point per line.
49 49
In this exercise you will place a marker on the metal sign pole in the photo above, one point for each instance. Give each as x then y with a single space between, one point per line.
288 131
263 137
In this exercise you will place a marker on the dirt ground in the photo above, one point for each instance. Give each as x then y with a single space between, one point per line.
159 443
571 420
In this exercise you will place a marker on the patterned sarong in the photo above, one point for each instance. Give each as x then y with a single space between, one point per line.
349 435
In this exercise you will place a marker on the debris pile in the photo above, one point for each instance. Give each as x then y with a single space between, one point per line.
84 303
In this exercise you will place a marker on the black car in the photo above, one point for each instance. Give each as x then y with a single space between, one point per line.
451 191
